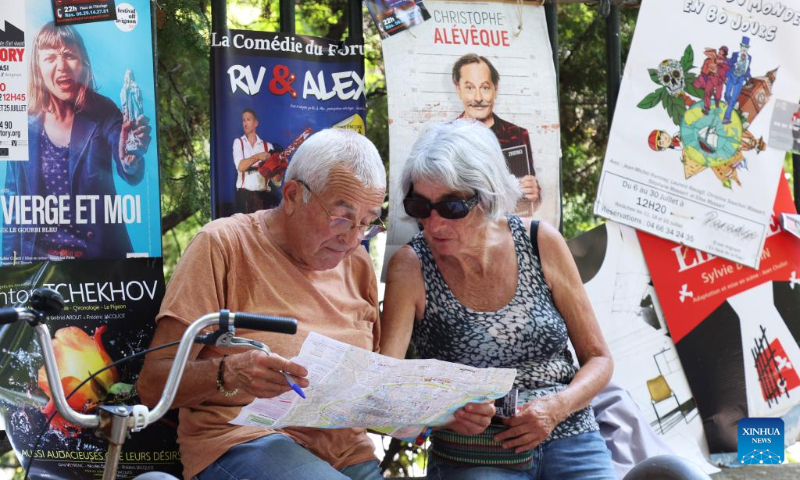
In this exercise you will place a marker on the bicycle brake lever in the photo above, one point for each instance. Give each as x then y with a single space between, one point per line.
229 340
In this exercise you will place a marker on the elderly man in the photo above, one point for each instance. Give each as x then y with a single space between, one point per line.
477 81
303 260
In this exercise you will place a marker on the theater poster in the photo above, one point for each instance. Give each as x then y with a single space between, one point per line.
689 156
646 363
736 329
68 12
394 16
109 313
78 143
504 77
271 91
784 133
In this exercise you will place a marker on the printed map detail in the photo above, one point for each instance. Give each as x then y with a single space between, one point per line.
353 387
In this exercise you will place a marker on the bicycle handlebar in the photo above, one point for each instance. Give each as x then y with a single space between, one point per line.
266 323
114 428
240 320
44 301
10 314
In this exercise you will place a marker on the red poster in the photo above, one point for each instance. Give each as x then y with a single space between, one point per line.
691 284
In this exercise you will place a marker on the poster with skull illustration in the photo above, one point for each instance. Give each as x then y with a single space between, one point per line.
688 156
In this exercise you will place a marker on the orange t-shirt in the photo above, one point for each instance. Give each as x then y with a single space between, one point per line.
234 263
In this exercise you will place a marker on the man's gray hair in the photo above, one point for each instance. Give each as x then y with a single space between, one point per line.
331 148
464 156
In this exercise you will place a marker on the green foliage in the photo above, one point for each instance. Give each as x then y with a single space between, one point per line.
583 107
183 113
653 75
675 108
690 88
687 60
176 239
406 461
652 99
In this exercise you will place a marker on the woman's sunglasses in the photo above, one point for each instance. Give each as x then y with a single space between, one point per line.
450 209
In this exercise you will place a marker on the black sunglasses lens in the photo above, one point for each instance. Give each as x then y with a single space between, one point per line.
452 210
417 208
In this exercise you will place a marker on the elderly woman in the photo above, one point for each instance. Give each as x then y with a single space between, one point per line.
76 136
474 287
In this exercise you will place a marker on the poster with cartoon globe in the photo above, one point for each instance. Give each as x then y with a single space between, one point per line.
688 157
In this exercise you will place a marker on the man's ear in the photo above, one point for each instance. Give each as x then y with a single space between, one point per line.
292 193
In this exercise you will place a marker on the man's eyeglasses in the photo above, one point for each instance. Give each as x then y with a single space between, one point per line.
417 207
341 225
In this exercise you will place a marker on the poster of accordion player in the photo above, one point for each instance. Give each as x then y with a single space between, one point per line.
271 92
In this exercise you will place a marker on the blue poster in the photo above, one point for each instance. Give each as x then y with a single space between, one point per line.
82 182
271 91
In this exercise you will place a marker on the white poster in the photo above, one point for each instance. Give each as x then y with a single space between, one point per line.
646 362
687 157
13 83
490 61
692 392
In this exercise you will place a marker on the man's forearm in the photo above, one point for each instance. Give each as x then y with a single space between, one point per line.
248 162
198 384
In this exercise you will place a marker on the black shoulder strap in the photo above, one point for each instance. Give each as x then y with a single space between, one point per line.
535 237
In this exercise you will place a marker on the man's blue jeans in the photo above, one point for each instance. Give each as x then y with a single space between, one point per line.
579 457
277 457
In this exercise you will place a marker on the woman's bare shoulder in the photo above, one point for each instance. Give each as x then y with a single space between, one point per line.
546 233
404 263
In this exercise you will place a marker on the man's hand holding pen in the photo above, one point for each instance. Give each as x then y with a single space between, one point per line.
263 376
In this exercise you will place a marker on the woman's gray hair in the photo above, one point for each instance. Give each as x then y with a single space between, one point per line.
331 148
464 156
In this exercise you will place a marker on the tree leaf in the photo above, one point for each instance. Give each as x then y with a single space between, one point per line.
651 100
120 389
687 60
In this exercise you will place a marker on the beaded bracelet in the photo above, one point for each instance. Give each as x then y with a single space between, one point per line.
221 381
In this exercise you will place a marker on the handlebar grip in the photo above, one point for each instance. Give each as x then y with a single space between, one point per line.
8 315
266 323
47 301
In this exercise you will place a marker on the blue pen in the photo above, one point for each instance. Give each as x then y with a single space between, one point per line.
294 386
